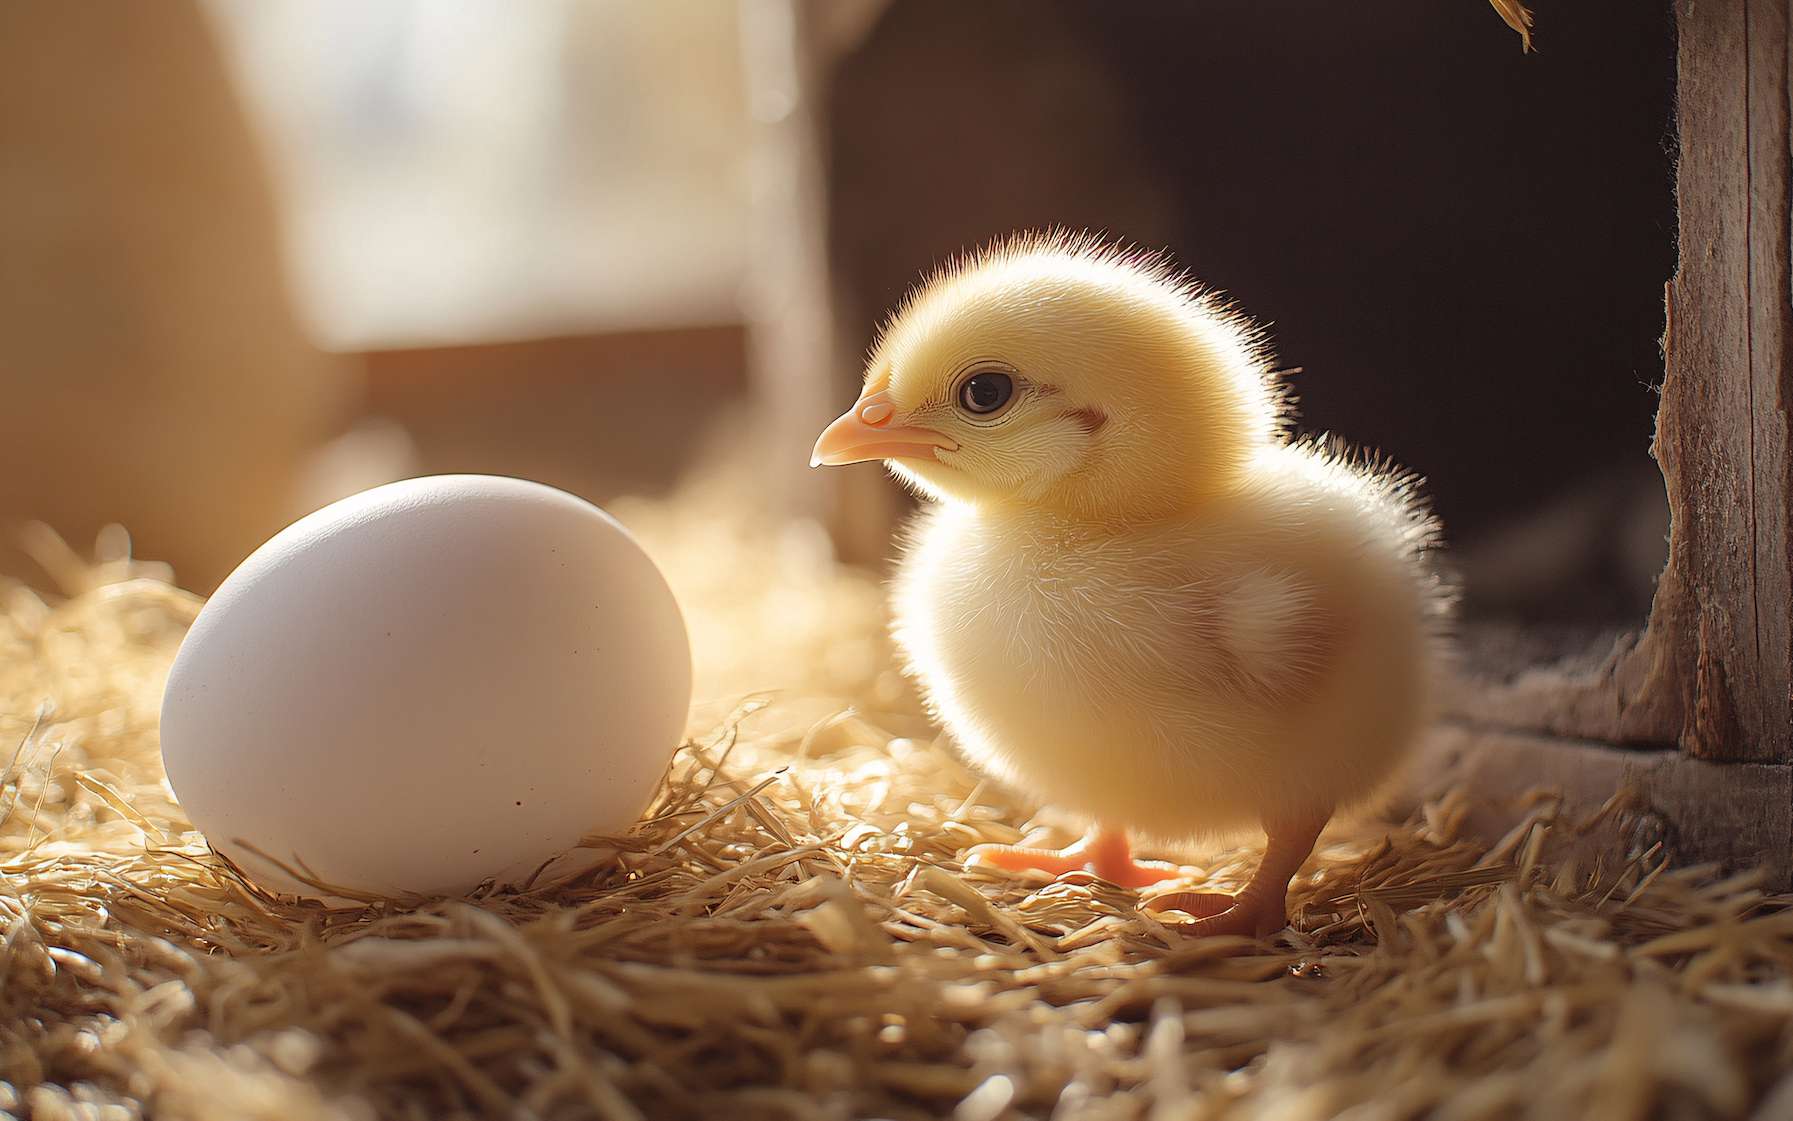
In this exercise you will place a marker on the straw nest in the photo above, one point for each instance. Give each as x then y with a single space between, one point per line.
790 934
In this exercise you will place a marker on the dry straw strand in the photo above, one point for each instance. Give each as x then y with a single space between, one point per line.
790 933
1518 17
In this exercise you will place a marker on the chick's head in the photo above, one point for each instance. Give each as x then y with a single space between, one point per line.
1063 374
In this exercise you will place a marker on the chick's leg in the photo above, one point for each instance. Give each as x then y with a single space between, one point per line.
1103 851
1261 909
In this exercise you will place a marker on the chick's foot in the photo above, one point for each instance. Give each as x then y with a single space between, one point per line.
1261 909
1215 913
1103 852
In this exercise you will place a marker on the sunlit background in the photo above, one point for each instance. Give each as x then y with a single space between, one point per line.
257 254
470 171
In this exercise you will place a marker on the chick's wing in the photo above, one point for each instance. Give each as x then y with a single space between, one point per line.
1267 633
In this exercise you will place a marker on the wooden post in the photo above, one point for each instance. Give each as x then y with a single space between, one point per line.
1724 611
1702 700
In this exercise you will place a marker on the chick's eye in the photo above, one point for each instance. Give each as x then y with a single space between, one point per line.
986 393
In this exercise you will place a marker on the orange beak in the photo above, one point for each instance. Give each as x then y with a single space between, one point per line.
864 432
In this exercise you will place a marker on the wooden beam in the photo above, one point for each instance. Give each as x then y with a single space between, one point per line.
1737 815
1620 693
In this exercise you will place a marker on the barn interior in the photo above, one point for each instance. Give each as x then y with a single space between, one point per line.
261 256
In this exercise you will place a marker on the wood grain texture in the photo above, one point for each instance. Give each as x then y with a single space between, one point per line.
1771 315
1721 616
1713 671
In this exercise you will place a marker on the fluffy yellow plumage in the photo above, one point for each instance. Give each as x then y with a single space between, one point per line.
1135 596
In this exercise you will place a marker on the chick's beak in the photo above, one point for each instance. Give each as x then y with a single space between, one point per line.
865 432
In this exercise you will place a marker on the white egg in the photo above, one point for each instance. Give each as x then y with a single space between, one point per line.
425 685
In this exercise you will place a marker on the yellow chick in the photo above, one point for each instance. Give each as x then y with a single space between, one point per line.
1134 596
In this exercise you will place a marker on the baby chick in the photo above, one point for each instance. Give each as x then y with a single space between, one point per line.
1134 595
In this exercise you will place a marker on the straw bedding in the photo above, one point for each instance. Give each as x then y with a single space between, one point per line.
789 933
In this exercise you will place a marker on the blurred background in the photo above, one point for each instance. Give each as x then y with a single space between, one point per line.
258 254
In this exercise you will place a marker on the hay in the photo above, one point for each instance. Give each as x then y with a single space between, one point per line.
790 935
1518 17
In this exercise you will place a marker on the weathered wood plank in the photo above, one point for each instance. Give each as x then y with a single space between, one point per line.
1713 672
1706 611
1738 815
1770 307
1621 693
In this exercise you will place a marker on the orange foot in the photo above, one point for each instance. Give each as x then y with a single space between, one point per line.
1261 909
1102 851
1251 915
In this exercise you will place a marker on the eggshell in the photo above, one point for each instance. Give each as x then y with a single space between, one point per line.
428 684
